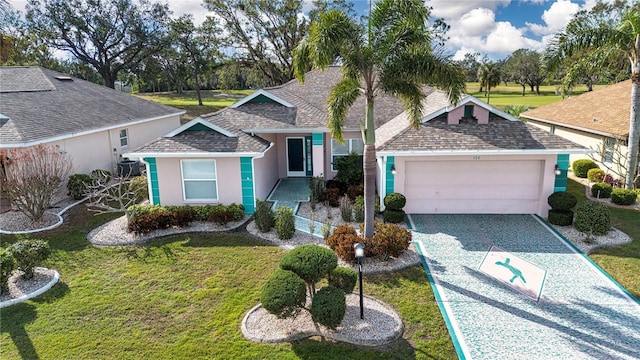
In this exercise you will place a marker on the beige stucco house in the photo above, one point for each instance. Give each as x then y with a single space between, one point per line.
464 158
598 120
94 124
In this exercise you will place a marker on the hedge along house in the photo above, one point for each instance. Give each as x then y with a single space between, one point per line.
597 119
239 153
471 158
94 124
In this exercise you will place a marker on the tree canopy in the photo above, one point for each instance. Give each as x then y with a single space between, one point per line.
109 35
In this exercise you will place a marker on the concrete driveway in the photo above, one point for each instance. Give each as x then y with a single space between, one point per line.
509 286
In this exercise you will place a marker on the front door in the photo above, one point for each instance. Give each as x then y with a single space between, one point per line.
296 157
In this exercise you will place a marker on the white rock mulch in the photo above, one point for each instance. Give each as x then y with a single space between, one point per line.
14 221
613 238
381 325
21 290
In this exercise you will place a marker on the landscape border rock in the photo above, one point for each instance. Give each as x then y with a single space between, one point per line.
41 286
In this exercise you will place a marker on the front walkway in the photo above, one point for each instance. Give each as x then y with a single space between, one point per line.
582 312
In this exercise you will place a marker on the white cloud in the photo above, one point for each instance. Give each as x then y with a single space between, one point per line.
193 7
506 39
555 18
477 21
454 9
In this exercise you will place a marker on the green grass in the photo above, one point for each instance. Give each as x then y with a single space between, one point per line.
621 262
502 96
184 297
213 100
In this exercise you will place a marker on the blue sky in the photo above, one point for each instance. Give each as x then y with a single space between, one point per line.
495 28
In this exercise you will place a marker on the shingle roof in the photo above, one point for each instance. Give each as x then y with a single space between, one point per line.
207 141
498 134
39 106
604 110
310 101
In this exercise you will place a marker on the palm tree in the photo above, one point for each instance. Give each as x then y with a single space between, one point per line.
489 76
600 40
393 54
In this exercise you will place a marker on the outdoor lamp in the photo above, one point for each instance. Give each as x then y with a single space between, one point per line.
359 250
393 172
557 170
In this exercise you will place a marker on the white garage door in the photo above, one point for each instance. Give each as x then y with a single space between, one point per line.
473 187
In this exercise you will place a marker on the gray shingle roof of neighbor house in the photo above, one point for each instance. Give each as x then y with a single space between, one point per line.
206 141
310 103
39 105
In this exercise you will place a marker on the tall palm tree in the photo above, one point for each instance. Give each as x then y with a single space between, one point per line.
489 76
603 39
393 54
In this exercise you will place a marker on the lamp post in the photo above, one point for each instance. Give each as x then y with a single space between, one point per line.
359 250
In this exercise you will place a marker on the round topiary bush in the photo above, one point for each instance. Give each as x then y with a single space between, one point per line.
329 306
283 294
395 201
7 265
562 200
623 196
310 262
29 254
285 223
343 278
592 217
393 216
595 175
601 190
561 217
78 186
263 216
581 167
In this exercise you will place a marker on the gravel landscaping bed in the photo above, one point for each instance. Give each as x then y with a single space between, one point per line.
18 287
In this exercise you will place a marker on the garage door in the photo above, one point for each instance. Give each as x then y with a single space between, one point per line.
473 187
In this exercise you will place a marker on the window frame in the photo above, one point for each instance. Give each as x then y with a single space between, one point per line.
608 150
125 138
350 148
184 180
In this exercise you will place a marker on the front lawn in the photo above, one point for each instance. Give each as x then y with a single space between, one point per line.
183 297
621 262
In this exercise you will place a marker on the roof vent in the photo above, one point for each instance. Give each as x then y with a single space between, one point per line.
64 78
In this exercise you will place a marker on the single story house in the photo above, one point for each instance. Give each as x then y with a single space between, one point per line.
464 158
94 124
598 120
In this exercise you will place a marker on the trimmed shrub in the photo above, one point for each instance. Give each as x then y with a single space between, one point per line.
7 265
342 240
283 294
601 190
329 306
561 217
609 179
332 196
140 210
101 175
562 200
592 217
595 175
358 209
350 169
263 216
393 216
149 222
389 240
138 185
346 209
343 278
581 167
337 184
285 223
29 254
78 186
354 191
310 262
223 214
395 201
623 196
182 215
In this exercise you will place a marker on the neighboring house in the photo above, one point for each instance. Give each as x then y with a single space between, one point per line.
598 120
467 158
94 124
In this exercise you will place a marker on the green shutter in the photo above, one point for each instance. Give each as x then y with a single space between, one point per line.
390 178
246 175
152 173
561 180
318 139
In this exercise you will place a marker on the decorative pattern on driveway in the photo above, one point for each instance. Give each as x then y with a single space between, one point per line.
582 313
